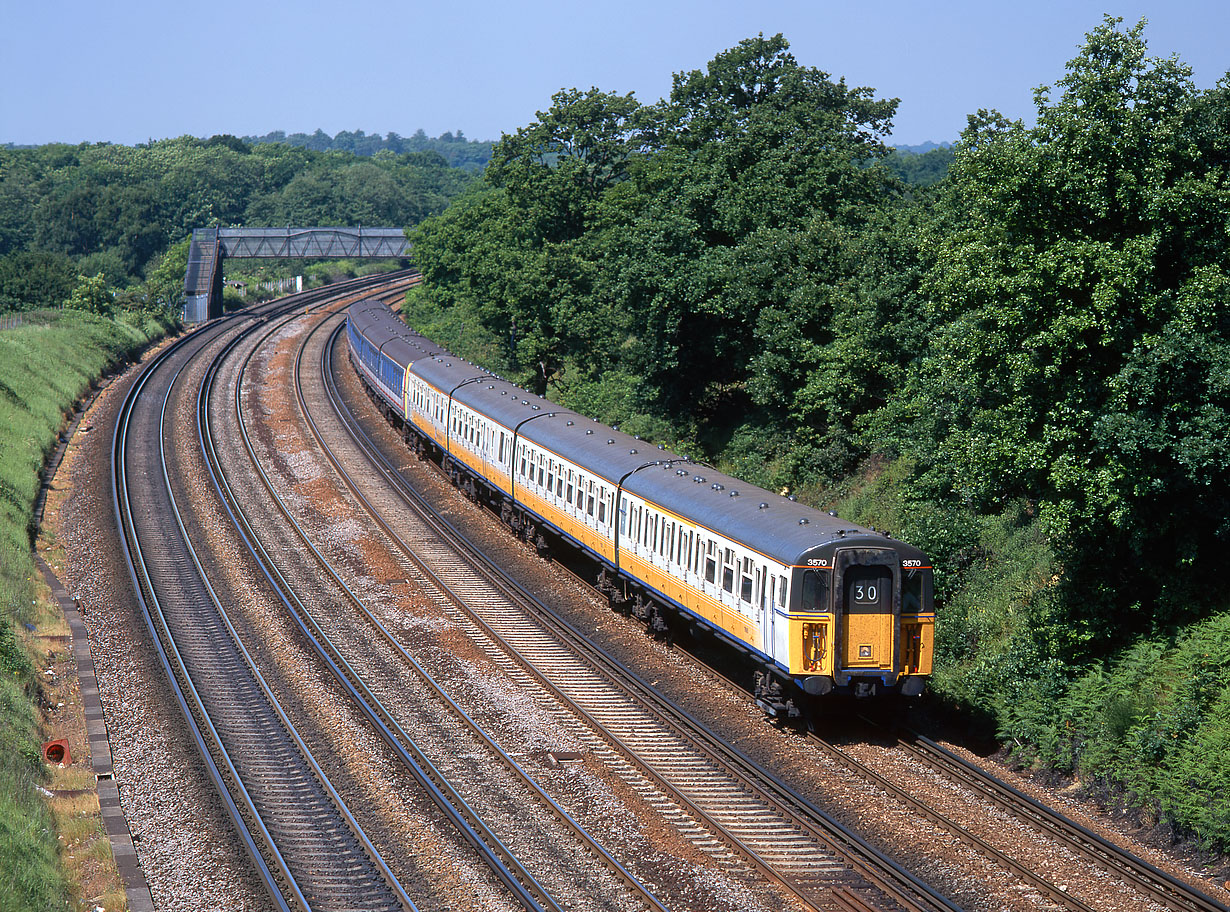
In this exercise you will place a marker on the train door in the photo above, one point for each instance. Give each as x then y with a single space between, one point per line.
869 611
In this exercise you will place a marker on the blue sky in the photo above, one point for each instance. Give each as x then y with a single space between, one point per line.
127 72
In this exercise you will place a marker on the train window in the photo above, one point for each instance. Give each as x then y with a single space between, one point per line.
781 593
815 594
772 585
623 521
541 474
589 504
502 442
711 563
551 477
912 592
745 581
602 508
559 484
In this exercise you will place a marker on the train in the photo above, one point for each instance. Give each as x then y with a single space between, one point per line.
818 604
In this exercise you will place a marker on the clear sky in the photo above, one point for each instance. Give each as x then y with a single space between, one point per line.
134 70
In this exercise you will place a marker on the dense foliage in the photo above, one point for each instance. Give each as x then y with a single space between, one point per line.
1024 368
470 154
731 248
114 210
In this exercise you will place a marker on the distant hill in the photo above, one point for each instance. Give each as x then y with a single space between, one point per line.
471 154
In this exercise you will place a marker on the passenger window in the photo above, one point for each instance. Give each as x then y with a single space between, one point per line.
711 563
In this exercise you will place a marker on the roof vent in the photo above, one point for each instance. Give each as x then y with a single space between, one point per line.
503 392
536 407
661 446
681 472
763 506
610 440
734 493
589 432
632 452
832 512
804 521
792 499
569 424
699 479
717 486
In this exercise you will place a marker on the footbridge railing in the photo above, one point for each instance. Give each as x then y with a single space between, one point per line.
203 280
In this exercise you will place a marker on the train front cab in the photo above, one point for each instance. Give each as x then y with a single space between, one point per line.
861 623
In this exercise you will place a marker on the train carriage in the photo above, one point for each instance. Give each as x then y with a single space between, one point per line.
821 604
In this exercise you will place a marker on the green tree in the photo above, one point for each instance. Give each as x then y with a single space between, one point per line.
92 295
1079 309
31 279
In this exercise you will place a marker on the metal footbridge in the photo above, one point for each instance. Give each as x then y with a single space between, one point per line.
203 280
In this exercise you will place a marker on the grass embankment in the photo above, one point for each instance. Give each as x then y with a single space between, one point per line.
45 367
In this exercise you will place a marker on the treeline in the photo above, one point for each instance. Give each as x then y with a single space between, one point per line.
114 210
1024 369
470 154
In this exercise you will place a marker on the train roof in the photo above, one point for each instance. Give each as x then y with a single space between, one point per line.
770 523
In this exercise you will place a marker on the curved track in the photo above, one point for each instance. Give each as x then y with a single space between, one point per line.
308 848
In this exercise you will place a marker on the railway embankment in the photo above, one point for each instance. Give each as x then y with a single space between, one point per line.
54 849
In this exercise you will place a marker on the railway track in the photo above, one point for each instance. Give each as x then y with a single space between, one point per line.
1151 882
308 847
715 797
438 775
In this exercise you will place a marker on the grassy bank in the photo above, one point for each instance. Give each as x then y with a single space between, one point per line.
46 365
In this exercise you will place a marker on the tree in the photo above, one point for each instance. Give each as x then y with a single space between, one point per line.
1080 315
92 295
